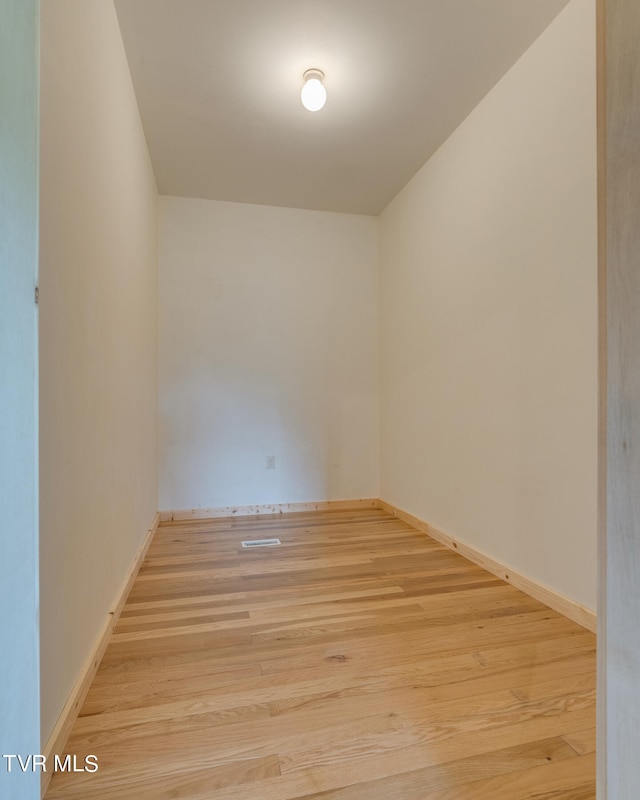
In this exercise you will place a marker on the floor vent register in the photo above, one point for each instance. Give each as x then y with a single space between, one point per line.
261 543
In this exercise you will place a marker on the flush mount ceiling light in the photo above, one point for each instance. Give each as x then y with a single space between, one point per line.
313 95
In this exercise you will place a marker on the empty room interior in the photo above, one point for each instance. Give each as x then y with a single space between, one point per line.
363 338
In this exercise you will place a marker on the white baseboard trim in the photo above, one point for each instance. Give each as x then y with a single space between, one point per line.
558 602
275 508
58 738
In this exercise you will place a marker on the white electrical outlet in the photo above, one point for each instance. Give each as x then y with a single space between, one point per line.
271 462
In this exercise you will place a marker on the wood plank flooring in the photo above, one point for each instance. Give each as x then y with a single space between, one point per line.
360 660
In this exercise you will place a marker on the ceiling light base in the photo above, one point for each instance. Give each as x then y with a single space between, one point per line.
310 74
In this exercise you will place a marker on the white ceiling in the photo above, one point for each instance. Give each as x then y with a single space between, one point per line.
218 83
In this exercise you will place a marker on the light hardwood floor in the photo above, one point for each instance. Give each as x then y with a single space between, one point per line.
360 660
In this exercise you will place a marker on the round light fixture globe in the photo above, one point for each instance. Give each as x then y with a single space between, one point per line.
313 94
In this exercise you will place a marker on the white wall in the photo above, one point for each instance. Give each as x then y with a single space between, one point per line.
98 342
268 346
19 690
489 315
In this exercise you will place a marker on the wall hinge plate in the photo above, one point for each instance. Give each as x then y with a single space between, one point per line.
37 295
